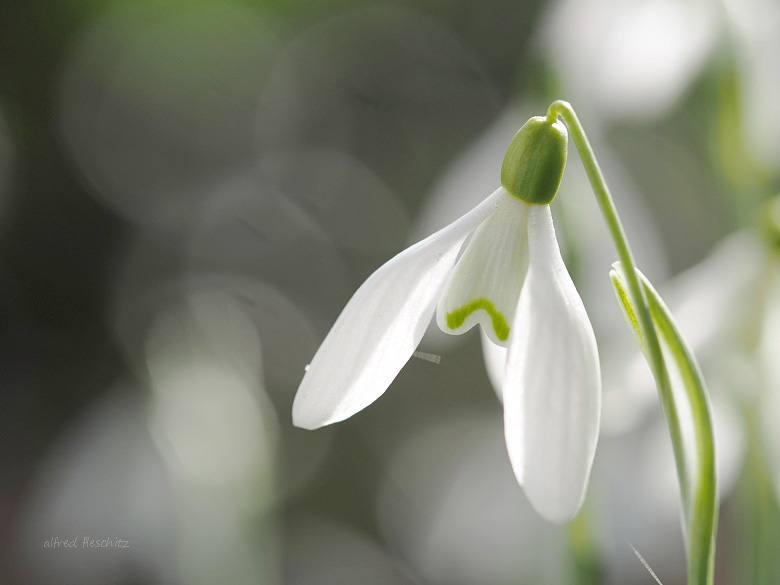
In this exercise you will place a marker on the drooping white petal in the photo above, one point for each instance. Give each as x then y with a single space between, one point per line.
552 389
495 363
485 284
381 326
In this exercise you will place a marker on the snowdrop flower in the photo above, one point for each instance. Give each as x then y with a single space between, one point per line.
510 279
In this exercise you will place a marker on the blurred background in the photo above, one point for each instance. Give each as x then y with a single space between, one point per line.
191 190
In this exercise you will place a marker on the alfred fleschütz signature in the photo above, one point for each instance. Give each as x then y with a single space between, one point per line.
86 542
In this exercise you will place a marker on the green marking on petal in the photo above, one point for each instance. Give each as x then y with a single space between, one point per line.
500 326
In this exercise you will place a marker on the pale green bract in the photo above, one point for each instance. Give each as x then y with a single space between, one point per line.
690 424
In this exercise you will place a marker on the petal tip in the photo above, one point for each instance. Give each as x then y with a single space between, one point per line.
306 417
303 423
559 517
560 510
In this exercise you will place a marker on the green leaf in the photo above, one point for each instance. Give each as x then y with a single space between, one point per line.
688 413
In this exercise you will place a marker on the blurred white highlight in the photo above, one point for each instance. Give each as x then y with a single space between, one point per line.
205 372
630 58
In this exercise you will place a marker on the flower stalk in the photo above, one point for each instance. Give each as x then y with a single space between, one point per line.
689 409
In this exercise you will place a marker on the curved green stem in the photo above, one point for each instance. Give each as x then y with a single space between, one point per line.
698 492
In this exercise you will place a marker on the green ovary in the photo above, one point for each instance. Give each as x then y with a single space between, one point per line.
500 326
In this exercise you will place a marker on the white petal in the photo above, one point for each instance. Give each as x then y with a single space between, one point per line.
552 390
486 282
495 363
381 326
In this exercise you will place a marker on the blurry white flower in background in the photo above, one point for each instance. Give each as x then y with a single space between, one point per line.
209 414
620 60
216 431
629 58
755 28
